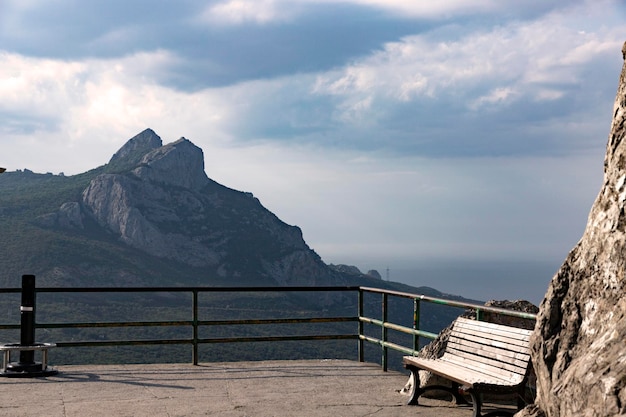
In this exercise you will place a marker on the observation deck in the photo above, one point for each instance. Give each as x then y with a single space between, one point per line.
310 388
313 387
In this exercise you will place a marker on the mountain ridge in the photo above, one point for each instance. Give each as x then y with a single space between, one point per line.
93 228
157 199
151 216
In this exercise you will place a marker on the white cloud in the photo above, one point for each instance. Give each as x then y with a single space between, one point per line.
106 99
39 87
585 52
537 60
237 12
432 9
445 9
91 107
496 96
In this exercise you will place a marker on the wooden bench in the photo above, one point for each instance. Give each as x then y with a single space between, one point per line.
479 358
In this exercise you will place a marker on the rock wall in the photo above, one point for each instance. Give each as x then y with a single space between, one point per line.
579 346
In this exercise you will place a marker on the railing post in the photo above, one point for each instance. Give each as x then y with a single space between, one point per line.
360 314
384 332
416 323
479 314
195 327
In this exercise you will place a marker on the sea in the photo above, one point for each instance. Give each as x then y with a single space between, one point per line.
480 280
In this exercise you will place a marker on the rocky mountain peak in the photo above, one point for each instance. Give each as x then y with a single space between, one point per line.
158 200
179 163
138 146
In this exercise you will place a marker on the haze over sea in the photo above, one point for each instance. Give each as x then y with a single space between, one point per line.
482 280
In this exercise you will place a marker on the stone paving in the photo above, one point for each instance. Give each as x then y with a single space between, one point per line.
312 388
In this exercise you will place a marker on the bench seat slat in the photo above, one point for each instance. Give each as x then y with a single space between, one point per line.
482 364
495 334
458 373
506 368
494 339
502 355
488 343
495 344
481 326
494 371
488 354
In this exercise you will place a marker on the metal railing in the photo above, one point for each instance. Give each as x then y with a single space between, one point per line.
196 323
415 331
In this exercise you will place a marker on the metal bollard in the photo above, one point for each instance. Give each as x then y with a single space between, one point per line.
27 319
27 367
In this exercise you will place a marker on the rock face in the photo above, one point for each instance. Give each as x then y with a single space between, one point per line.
179 164
157 199
137 146
578 347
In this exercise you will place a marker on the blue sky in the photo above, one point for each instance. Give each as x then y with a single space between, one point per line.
393 132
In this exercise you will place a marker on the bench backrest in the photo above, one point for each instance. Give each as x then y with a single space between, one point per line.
493 349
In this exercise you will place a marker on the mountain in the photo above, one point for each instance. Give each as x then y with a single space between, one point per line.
152 217
151 205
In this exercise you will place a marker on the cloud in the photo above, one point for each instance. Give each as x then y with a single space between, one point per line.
423 66
83 92
36 88
437 9
235 12
265 11
89 108
232 46
502 91
500 96
476 84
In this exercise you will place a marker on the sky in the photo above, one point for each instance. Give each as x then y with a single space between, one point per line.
396 134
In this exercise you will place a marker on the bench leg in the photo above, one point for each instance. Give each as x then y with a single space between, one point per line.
477 406
476 403
416 391
6 358
521 403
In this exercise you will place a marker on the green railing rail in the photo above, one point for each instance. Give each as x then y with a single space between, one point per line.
195 323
